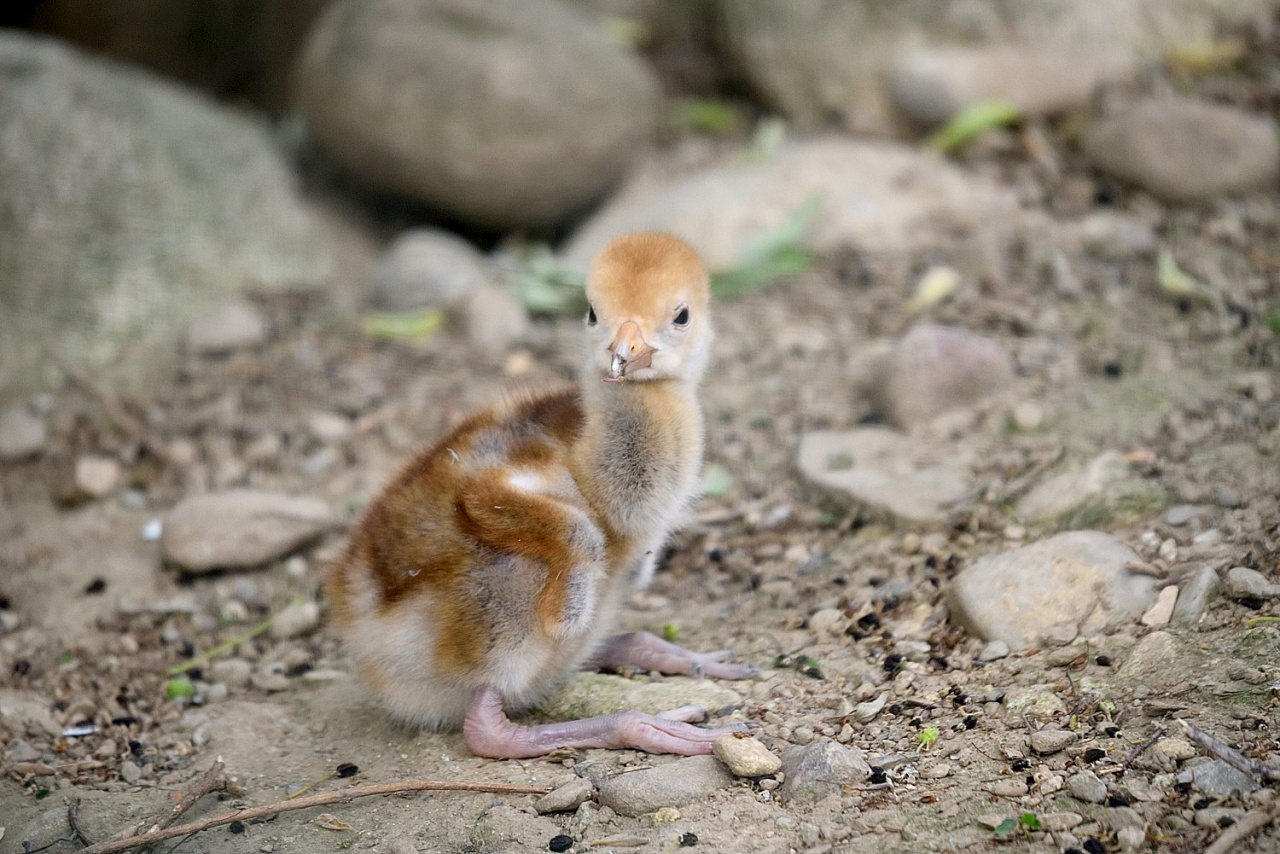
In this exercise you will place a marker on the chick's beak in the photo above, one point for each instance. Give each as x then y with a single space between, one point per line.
629 350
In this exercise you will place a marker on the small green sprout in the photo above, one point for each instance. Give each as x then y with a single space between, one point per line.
670 632
1026 822
928 737
179 687
970 123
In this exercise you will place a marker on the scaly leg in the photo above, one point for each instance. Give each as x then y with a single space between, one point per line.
647 651
489 732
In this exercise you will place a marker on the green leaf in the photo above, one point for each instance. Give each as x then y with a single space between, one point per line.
403 325
179 687
716 481
928 736
1273 322
548 286
1029 821
772 255
1176 284
970 123
1006 827
707 115
670 632
41 794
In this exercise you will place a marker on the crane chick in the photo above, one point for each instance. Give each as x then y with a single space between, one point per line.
494 564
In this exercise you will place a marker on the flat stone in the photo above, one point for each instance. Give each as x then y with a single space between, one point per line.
994 651
1088 787
885 472
1195 594
270 681
1149 662
1009 787
22 434
1245 583
232 672
745 756
821 768
231 326
1049 741
240 528
1183 149
1079 579
934 368
565 798
672 784
1217 779
1068 490
1160 613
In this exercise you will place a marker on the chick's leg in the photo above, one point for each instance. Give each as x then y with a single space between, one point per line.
489 732
647 651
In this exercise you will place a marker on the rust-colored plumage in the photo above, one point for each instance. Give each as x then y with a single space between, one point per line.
492 566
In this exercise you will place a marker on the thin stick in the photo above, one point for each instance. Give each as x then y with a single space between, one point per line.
1138 751
209 781
213 652
111 405
323 799
1248 825
1231 756
73 819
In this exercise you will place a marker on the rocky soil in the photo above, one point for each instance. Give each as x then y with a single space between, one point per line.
992 499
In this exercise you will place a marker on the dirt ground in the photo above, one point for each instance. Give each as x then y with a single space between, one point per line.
93 619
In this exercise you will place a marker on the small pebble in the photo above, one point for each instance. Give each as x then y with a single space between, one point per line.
994 651
745 756
1181 514
1228 497
296 620
97 476
1088 787
232 326
269 681
564 798
130 772
22 434
1028 416
1009 787
1048 741
1168 551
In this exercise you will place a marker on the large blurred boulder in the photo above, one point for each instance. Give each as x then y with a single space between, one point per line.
880 198
127 205
232 48
504 115
819 61
1183 149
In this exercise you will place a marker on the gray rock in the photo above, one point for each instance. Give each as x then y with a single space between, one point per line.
885 472
232 672
1149 662
1195 594
745 755
428 268
933 369
586 695
128 206
296 620
22 434
1088 787
1245 583
1109 235
22 751
994 651
565 798
1182 149
1182 514
1078 578
240 528
494 319
883 199
819 62
270 681
1048 741
931 85
1217 779
672 784
505 116
819 769
236 325
1228 497
1068 490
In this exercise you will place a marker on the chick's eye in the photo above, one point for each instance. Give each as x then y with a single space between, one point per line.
591 315
682 317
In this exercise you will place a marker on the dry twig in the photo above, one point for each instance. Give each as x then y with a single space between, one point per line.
1231 756
1141 748
1249 824
338 796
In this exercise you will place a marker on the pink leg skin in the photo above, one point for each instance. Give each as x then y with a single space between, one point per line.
646 651
489 732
